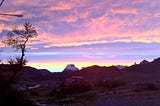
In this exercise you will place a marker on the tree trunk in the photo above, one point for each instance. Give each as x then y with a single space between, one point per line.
22 57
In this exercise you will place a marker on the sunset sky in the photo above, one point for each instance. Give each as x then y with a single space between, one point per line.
85 32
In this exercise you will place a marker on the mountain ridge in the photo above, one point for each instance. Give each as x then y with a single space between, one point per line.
151 70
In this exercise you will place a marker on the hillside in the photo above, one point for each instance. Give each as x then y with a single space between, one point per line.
93 83
144 72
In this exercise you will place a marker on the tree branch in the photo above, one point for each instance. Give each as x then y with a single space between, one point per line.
1 3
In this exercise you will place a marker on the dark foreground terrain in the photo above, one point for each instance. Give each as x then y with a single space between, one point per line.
137 85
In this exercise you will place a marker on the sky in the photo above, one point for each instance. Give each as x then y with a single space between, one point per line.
85 32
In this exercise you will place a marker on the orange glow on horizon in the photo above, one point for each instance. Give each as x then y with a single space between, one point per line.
62 65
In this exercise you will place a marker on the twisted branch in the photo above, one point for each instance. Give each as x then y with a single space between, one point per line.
1 3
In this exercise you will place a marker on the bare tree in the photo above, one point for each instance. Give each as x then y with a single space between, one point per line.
6 14
1 2
18 39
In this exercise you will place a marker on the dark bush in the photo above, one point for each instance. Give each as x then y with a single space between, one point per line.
74 88
99 83
77 88
151 86
11 97
109 83
33 93
144 86
113 83
55 92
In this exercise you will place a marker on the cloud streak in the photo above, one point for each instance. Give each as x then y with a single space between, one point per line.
88 21
71 24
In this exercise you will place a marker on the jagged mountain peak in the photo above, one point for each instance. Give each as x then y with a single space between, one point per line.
70 68
144 62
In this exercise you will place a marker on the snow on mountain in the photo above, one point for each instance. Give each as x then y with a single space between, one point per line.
70 68
121 67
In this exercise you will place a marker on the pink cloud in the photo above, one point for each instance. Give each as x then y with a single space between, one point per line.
1 27
124 11
135 2
4 18
4 27
94 28
27 3
69 18
77 39
61 6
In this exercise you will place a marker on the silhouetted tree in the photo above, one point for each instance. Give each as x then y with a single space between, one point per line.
18 38
1 2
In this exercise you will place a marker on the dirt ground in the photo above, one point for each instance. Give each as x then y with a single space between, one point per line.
144 98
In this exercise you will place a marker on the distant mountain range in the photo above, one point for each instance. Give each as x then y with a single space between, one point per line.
145 70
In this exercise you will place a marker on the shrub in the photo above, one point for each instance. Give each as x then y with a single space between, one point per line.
113 83
77 88
99 83
33 93
144 86
11 97
151 86
55 92
73 88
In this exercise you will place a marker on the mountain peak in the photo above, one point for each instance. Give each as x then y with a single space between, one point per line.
144 62
121 67
156 60
70 68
